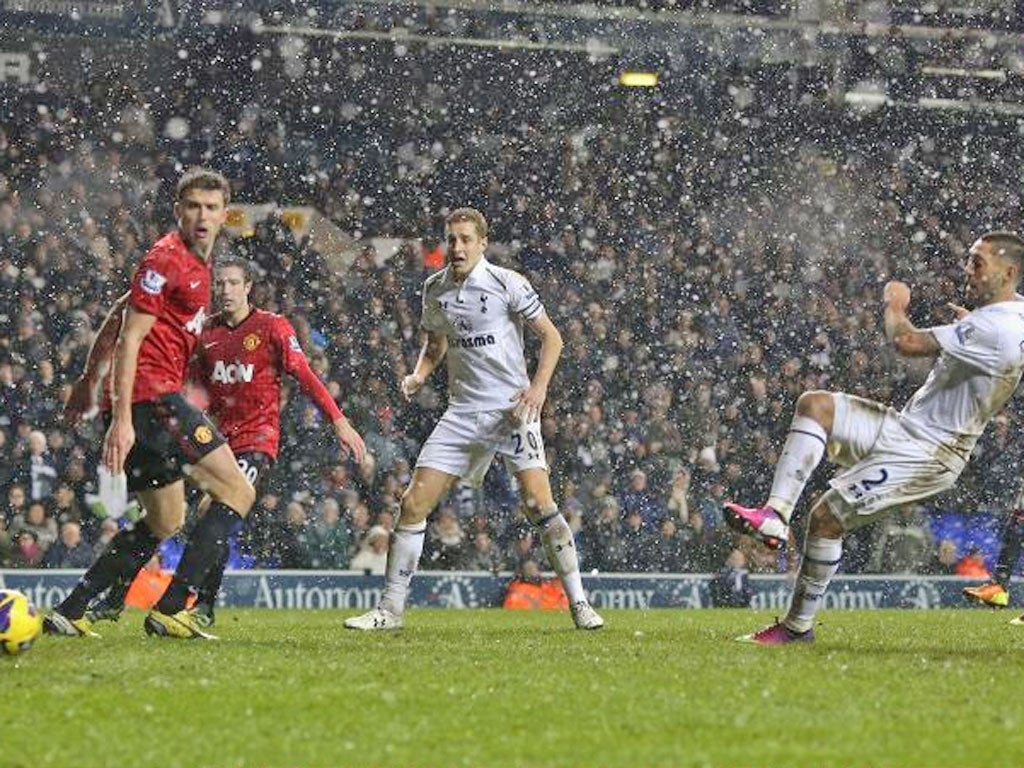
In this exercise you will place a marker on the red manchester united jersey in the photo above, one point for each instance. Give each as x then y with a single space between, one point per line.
241 369
173 284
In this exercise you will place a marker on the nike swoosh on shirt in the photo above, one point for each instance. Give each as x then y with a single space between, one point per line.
195 284
211 344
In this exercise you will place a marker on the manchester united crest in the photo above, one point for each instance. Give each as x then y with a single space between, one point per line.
250 342
203 434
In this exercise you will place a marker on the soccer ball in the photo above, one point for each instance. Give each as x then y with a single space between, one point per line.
20 623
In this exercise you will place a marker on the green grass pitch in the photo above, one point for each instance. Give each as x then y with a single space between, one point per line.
291 689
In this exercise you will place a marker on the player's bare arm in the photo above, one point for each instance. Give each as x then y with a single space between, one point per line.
121 434
908 340
530 401
350 438
435 346
84 396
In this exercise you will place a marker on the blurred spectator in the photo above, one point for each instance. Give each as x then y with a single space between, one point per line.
294 544
5 544
329 540
669 554
731 587
26 552
944 561
637 498
108 530
638 543
35 519
445 548
522 548
37 471
372 556
357 524
484 555
904 542
65 505
70 551
602 547
678 499
16 501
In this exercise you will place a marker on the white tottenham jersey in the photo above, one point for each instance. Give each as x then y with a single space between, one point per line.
482 317
977 371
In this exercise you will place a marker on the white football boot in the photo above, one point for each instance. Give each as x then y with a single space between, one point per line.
379 619
584 616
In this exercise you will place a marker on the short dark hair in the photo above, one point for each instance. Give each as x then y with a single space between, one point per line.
205 179
1009 245
248 271
468 214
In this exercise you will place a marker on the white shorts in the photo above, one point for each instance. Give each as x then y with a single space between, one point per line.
465 443
886 466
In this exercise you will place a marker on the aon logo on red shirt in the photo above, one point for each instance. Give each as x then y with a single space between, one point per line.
232 373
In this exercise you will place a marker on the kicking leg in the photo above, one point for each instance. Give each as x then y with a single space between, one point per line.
804 448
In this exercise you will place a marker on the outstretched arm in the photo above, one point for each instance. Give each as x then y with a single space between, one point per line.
435 346
531 400
908 340
84 396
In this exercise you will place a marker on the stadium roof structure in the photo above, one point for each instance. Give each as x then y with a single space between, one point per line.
967 55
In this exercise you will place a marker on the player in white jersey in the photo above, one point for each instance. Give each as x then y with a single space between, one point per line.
895 457
474 312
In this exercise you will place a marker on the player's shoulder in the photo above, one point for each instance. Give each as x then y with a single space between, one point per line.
1003 317
266 317
270 323
168 247
503 277
435 281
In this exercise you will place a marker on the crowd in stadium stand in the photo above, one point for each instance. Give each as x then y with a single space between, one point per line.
705 261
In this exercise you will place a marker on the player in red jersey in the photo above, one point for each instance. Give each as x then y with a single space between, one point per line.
154 434
240 362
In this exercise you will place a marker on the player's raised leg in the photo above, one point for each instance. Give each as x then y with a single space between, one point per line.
425 490
805 445
127 552
232 496
823 549
558 543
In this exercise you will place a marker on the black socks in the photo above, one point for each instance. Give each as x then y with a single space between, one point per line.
128 551
205 549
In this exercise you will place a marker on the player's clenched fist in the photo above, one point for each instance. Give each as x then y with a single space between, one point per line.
411 385
896 294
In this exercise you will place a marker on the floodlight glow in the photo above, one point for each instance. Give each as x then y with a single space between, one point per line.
638 79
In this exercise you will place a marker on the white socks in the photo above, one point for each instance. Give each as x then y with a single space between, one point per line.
403 557
805 445
556 536
819 565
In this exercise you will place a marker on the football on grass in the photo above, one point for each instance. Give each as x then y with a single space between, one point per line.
20 623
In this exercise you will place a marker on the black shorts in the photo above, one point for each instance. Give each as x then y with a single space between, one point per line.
255 465
170 433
